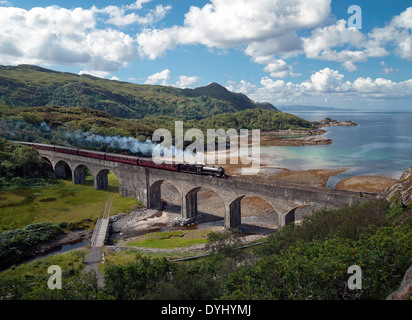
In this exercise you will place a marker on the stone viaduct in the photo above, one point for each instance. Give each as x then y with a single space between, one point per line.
144 184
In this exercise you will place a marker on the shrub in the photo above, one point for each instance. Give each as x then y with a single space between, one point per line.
131 281
16 243
348 223
318 269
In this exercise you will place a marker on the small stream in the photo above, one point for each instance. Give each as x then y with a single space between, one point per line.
63 248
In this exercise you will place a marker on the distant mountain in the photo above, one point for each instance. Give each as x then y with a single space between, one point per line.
215 90
310 108
33 86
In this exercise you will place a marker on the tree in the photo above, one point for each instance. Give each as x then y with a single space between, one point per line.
24 161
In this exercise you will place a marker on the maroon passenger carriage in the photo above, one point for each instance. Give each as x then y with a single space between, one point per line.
122 158
146 162
66 150
91 154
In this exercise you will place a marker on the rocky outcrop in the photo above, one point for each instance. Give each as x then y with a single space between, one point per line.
401 191
331 123
405 290
294 132
294 141
184 222
310 137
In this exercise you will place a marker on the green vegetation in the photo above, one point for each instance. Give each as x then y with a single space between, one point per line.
170 239
265 120
307 261
78 205
59 125
70 126
70 262
35 211
40 105
20 161
311 261
16 243
32 86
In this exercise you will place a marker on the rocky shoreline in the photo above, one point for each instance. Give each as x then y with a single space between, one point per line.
312 137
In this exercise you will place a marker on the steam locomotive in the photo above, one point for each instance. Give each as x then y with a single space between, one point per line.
143 162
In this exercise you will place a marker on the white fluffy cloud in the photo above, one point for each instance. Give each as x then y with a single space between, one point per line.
187 82
59 36
164 76
122 16
278 68
161 77
322 41
264 28
397 33
267 29
55 35
231 23
328 83
331 42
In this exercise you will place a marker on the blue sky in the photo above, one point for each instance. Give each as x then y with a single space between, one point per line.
284 52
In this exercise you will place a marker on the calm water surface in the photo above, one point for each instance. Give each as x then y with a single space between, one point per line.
380 144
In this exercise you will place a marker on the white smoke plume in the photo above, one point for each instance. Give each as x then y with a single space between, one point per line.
116 142
134 145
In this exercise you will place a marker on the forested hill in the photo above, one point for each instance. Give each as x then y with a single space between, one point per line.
33 86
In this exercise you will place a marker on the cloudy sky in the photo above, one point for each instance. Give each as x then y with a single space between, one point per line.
308 52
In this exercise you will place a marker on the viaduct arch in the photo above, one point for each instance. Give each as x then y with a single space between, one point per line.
144 184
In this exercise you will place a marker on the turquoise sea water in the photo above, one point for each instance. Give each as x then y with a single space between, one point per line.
380 144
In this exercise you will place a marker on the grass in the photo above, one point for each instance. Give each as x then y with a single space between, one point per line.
68 261
78 205
126 256
170 239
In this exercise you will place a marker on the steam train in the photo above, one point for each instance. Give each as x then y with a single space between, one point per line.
143 162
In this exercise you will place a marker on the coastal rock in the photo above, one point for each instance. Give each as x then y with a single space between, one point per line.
294 132
293 137
405 290
330 123
316 140
401 191
286 138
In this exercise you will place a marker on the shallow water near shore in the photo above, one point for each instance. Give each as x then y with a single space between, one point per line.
381 144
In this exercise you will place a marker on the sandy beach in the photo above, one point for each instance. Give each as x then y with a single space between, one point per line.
366 183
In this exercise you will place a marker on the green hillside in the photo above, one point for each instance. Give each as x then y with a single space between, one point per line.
33 86
41 105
